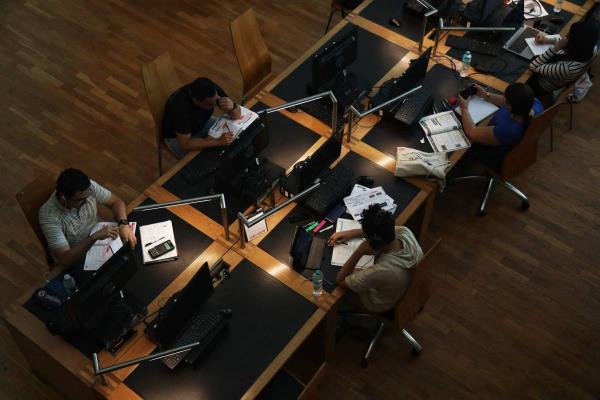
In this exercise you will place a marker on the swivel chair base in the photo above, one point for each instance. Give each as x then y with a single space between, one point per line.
490 180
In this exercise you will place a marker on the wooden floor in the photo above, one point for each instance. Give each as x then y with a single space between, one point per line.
516 306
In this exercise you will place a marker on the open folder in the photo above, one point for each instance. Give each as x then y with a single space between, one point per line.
155 234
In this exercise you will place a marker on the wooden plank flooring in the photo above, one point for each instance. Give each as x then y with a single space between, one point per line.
515 310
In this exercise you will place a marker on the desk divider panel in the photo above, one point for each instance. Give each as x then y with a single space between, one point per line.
266 315
376 56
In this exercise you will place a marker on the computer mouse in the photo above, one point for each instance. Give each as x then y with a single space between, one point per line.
226 312
557 20
293 109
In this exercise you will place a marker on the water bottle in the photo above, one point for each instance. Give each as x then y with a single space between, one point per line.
466 61
317 280
558 6
69 284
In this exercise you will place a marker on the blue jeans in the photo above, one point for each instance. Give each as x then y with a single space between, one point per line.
173 143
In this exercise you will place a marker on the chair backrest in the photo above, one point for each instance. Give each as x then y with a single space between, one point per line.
418 291
251 51
160 80
31 198
524 153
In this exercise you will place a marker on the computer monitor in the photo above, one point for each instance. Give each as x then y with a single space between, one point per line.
480 11
333 58
412 76
94 294
322 158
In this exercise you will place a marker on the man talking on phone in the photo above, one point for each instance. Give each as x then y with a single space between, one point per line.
188 117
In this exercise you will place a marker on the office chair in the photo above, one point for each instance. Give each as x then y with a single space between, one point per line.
31 198
343 7
160 80
406 309
516 160
251 52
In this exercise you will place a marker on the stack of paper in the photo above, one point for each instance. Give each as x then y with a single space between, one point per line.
342 252
444 132
361 198
103 249
234 126
155 234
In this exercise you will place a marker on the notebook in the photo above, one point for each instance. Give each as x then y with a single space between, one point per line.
155 234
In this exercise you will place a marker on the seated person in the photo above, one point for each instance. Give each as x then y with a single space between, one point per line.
70 213
566 61
188 117
506 128
396 251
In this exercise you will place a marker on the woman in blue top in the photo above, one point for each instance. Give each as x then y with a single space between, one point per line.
506 128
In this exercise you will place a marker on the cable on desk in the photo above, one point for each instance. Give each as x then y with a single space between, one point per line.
447 57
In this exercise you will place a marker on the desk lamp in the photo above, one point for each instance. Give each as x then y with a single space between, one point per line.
441 28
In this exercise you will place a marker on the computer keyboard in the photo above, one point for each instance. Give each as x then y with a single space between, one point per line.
323 113
519 44
197 172
202 328
410 110
334 187
473 45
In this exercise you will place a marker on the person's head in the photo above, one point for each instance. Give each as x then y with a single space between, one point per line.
519 97
378 226
204 93
582 39
73 188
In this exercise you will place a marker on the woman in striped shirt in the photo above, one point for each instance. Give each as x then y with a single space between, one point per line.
566 61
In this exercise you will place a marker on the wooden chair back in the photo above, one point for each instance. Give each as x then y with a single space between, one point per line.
418 291
31 198
251 51
524 154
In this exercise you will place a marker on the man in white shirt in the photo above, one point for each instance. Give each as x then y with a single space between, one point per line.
71 212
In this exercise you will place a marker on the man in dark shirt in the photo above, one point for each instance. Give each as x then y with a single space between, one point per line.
188 116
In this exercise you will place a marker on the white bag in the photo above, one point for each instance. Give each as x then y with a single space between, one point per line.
581 88
411 162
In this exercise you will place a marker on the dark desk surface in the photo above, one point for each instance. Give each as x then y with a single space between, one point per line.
266 315
381 11
376 56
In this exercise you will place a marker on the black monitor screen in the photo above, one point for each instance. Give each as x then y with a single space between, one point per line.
240 153
413 75
336 56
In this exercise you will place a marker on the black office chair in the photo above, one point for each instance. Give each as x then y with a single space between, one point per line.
515 161
405 310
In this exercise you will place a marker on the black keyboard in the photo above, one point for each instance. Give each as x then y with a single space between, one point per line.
194 174
415 106
322 112
473 45
333 188
202 328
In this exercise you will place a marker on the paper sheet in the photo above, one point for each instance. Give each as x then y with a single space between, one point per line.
154 234
235 126
440 122
256 230
448 141
362 200
479 109
533 9
103 249
342 252
537 48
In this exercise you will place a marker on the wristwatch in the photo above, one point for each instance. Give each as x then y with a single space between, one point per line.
123 222
235 105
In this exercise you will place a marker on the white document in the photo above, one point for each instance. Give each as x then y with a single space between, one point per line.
444 132
103 249
155 234
342 252
358 189
362 200
440 122
537 48
256 230
235 126
479 109
533 9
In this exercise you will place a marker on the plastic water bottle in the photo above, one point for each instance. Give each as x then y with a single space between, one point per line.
69 284
317 280
558 6
466 61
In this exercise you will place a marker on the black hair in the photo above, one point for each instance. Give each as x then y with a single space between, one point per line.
378 226
72 180
582 40
519 97
201 88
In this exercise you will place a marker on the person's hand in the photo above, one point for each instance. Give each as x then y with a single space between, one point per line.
562 42
127 235
463 102
225 139
225 103
108 231
542 38
480 91
338 237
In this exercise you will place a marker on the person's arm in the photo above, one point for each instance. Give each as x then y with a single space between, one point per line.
497 99
344 236
477 134
65 256
189 143
231 108
117 205
350 264
543 58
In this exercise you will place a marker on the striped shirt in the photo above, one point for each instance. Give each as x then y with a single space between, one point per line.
556 75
